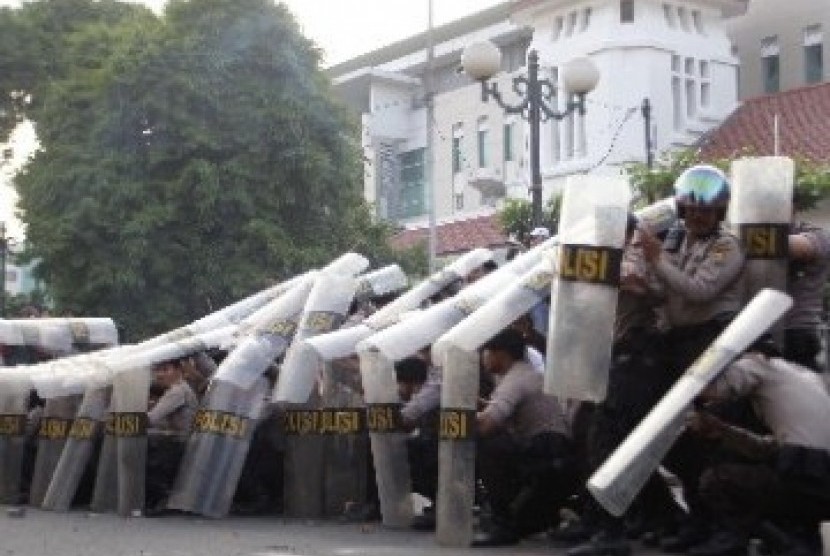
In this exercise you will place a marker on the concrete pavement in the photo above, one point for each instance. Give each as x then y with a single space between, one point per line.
40 533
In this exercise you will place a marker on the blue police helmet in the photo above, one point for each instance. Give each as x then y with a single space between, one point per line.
702 186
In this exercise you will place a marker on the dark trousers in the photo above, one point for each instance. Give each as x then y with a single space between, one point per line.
526 485
793 489
801 345
423 456
636 382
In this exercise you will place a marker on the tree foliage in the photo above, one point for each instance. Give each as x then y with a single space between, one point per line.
812 180
186 159
516 217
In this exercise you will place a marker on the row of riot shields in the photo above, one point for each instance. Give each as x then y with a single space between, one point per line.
330 416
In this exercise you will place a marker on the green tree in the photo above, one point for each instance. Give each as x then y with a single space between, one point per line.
186 161
516 217
812 180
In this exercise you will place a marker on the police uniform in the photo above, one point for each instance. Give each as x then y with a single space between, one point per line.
805 284
703 291
169 420
785 475
525 467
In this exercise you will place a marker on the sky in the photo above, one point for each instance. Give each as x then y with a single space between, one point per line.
342 28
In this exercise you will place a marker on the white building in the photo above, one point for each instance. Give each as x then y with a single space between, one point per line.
675 53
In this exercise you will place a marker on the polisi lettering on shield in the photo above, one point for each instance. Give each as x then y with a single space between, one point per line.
52 427
457 424
12 425
591 264
83 428
322 421
126 424
219 422
765 241
384 417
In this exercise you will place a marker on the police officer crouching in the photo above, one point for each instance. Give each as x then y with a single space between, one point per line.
523 446
779 481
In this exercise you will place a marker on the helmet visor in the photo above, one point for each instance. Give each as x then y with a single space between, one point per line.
701 185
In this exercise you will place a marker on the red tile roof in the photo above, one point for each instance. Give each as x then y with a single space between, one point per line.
457 236
803 126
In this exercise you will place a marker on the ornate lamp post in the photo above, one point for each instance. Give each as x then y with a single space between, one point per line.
482 60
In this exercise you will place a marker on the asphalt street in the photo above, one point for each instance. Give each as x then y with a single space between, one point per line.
39 533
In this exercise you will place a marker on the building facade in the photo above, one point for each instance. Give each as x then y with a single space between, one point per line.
781 45
675 53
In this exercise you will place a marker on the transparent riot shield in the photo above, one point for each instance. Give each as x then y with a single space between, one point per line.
423 328
14 399
130 391
457 450
78 450
346 453
210 470
324 311
382 281
343 342
304 468
584 291
388 439
760 212
268 336
58 414
307 430
623 474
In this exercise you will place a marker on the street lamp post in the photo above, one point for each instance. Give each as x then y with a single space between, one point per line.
482 61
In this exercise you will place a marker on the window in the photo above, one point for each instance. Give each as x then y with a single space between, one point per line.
668 12
770 65
508 142
697 21
683 18
459 201
705 84
558 27
813 54
483 131
572 17
586 18
457 146
411 200
626 11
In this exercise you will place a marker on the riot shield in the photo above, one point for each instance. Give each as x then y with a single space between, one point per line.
421 329
130 391
266 340
210 470
584 291
324 311
58 414
307 428
342 343
14 399
457 450
760 212
305 451
382 281
388 439
78 450
346 454
623 474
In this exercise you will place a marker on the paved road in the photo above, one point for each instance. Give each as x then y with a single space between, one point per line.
41 533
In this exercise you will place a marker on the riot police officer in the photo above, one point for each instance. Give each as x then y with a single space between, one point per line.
700 267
